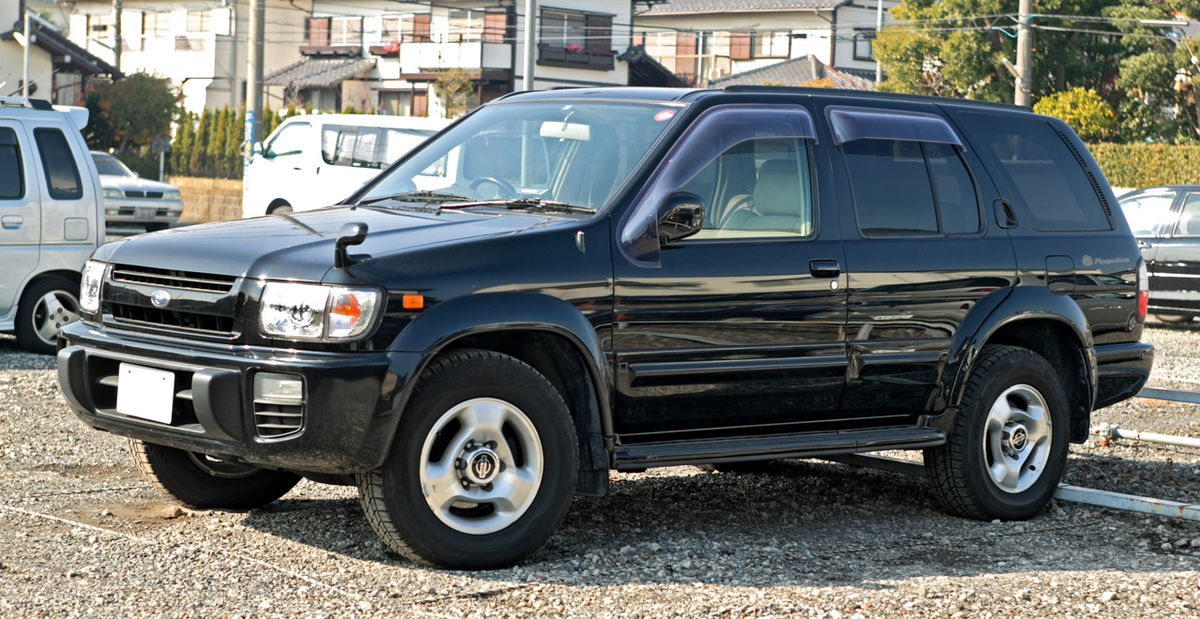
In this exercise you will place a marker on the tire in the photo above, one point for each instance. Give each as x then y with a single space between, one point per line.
200 481
47 306
1014 410
1174 319
481 422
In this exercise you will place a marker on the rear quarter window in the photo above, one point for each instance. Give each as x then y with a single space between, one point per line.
1039 169
62 175
12 180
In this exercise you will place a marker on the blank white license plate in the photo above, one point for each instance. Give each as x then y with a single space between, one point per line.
145 212
145 393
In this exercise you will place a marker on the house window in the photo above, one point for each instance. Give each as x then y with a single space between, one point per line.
345 31
397 28
199 21
563 29
396 103
318 31
156 25
421 28
465 25
772 44
863 40
576 39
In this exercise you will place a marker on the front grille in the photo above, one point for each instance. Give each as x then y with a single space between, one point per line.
134 193
195 321
168 278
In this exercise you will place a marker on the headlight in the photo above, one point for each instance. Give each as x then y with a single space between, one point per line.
172 194
113 192
314 312
90 284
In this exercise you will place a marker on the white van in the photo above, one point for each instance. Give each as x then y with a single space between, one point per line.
317 160
51 218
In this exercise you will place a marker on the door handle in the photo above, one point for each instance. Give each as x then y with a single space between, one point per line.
824 268
1144 244
1005 217
12 221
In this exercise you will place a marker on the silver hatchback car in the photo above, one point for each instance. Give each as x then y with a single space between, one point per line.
131 199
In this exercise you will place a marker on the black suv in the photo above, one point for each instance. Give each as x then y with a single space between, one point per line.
567 282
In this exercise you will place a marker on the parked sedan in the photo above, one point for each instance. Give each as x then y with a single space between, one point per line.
130 199
1166 221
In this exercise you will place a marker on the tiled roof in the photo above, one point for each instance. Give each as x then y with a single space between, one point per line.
318 72
680 7
794 72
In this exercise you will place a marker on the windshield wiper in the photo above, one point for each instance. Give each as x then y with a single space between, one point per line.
531 204
415 196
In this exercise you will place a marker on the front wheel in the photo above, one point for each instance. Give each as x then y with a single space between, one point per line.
1008 447
483 465
203 481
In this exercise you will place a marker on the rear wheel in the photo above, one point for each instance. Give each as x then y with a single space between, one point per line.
482 469
203 481
48 305
1175 319
1008 447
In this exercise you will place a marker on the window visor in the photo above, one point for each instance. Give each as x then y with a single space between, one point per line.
860 123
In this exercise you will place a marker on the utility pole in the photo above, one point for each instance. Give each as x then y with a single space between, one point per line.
530 43
117 31
25 74
1023 96
878 27
254 78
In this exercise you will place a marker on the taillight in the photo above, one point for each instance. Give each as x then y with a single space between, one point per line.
1143 288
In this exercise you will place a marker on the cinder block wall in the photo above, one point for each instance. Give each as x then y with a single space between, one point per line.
209 199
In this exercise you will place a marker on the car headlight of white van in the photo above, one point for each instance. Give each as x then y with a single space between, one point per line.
316 312
113 192
89 285
172 194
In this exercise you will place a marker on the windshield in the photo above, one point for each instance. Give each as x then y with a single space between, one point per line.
568 152
109 165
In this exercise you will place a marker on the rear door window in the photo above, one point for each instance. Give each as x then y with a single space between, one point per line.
62 175
906 187
1036 166
1147 212
12 180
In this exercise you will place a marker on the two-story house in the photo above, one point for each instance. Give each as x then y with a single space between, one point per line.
201 45
58 69
394 56
703 40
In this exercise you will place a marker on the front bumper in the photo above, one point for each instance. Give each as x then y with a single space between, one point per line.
142 211
349 406
1122 371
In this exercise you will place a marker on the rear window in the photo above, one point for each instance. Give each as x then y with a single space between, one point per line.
1040 170
62 175
368 147
12 181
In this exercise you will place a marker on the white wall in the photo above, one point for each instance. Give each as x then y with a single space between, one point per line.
12 68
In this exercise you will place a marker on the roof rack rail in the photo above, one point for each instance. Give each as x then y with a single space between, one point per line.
37 104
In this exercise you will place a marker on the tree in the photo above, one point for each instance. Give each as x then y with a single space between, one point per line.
132 111
957 48
185 138
1084 110
454 90
197 165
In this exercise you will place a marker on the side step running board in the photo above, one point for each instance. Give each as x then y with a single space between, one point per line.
640 456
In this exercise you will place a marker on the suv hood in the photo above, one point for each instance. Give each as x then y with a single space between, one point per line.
301 246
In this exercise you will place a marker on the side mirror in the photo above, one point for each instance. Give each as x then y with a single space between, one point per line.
682 216
257 149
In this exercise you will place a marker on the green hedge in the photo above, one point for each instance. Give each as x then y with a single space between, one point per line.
1141 165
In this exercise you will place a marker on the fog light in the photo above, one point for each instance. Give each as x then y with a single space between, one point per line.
278 388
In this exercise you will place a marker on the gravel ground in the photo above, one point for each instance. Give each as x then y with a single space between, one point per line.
82 533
